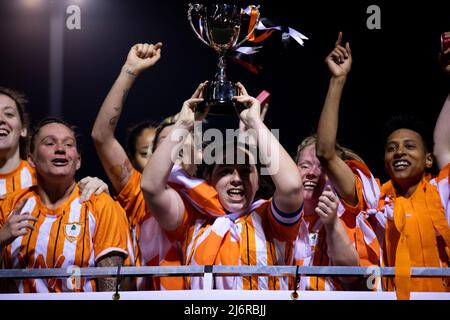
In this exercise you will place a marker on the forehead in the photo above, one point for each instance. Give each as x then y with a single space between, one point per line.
232 155
404 134
6 101
146 135
308 154
218 167
56 129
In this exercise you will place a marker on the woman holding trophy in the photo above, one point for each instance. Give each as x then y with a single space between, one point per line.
237 229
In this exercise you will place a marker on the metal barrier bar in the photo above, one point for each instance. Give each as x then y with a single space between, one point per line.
278 271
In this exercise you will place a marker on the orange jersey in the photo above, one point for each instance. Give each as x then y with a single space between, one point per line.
311 250
72 235
132 201
151 245
411 232
417 234
20 178
311 245
263 235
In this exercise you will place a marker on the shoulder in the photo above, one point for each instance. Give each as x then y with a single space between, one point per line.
97 203
357 166
11 200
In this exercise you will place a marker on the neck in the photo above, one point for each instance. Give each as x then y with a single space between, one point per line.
405 190
309 207
52 195
9 160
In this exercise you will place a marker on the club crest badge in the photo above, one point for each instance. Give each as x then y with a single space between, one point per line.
72 231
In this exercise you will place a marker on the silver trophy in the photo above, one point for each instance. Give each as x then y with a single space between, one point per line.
218 26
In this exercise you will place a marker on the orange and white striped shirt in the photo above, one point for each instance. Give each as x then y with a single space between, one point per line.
358 222
151 245
72 235
261 235
20 178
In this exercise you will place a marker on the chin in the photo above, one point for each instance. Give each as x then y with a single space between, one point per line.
233 207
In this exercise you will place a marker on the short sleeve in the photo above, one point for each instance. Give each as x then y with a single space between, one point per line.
442 182
283 226
361 203
189 216
111 229
132 200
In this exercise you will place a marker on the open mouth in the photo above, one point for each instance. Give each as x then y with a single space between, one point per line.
400 165
236 193
4 132
309 185
60 162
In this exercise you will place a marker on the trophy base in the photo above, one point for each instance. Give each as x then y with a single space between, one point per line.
218 98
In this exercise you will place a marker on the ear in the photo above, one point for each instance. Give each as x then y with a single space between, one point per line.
31 160
429 160
23 132
79 162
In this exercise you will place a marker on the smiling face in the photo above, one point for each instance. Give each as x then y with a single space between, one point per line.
236 185
405 158
11 127
311 172
55 154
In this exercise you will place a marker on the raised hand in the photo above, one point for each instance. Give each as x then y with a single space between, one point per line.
339 61
188 115
327 207
252 114
141 57
16 225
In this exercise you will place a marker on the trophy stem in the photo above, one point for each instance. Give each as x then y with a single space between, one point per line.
221 76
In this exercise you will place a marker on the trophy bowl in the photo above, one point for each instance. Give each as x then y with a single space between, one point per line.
219 26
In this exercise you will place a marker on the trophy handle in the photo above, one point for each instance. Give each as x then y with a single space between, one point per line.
191 7
253 29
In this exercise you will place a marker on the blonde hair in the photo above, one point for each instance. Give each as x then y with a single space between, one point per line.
343 152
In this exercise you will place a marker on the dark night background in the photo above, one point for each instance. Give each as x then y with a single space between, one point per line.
395 69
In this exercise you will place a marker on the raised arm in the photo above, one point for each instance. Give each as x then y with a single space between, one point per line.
339 63
112 155
164 202
280 166
442 129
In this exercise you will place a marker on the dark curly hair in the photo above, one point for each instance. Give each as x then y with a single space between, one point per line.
411 122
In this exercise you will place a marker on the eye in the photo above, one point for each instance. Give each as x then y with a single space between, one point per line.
246 171
304 165
410 146
390 148
225 172
9 115
143 154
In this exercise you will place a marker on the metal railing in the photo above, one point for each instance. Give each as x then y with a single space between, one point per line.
209 272
164 271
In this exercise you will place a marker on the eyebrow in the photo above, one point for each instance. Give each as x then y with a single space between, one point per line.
56 138
399 141
10 107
